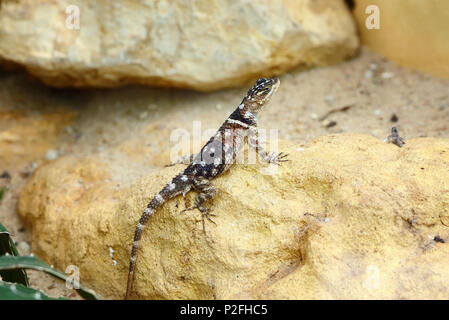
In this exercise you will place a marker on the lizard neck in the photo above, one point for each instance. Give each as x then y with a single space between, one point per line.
245 113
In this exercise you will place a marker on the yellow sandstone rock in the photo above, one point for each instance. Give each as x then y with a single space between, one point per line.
349 217
202 45
413 33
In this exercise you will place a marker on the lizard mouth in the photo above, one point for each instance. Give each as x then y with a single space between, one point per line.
274 87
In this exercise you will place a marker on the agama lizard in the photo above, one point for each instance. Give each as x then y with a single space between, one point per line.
395 138
217 155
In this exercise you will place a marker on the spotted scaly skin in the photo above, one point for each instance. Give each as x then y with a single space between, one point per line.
217 155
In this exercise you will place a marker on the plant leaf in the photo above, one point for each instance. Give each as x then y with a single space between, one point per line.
31 262
7 246
15 291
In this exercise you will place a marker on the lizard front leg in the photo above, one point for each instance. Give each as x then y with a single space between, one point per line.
253 142
206 192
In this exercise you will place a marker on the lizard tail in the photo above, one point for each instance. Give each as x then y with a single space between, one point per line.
169 191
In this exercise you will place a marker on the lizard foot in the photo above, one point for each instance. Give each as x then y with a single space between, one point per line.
277 158
205 214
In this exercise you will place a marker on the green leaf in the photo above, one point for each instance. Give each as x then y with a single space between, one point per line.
15 291
31 262
7 246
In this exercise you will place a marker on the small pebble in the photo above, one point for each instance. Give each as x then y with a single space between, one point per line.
387 75
51 154
28 170
328 123
331 124
313 116
111 254
143 115
368 74
394 118
329 98
69 130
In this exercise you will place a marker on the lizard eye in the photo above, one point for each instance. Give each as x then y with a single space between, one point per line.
264 91
260 81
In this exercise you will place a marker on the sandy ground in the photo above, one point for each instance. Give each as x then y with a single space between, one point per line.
365 95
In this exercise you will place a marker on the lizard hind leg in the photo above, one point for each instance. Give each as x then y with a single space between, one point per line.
206 192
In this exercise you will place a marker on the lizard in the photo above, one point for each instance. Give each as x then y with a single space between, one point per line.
215 157
395 138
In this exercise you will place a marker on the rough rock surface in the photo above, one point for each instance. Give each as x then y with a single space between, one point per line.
204 45
349 217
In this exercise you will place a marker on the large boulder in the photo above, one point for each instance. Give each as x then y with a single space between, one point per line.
349 217
199 45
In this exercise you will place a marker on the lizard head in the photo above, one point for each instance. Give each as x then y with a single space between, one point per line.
261 93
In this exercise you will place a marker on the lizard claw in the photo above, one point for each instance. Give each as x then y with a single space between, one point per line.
277 158
206 215
282 157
